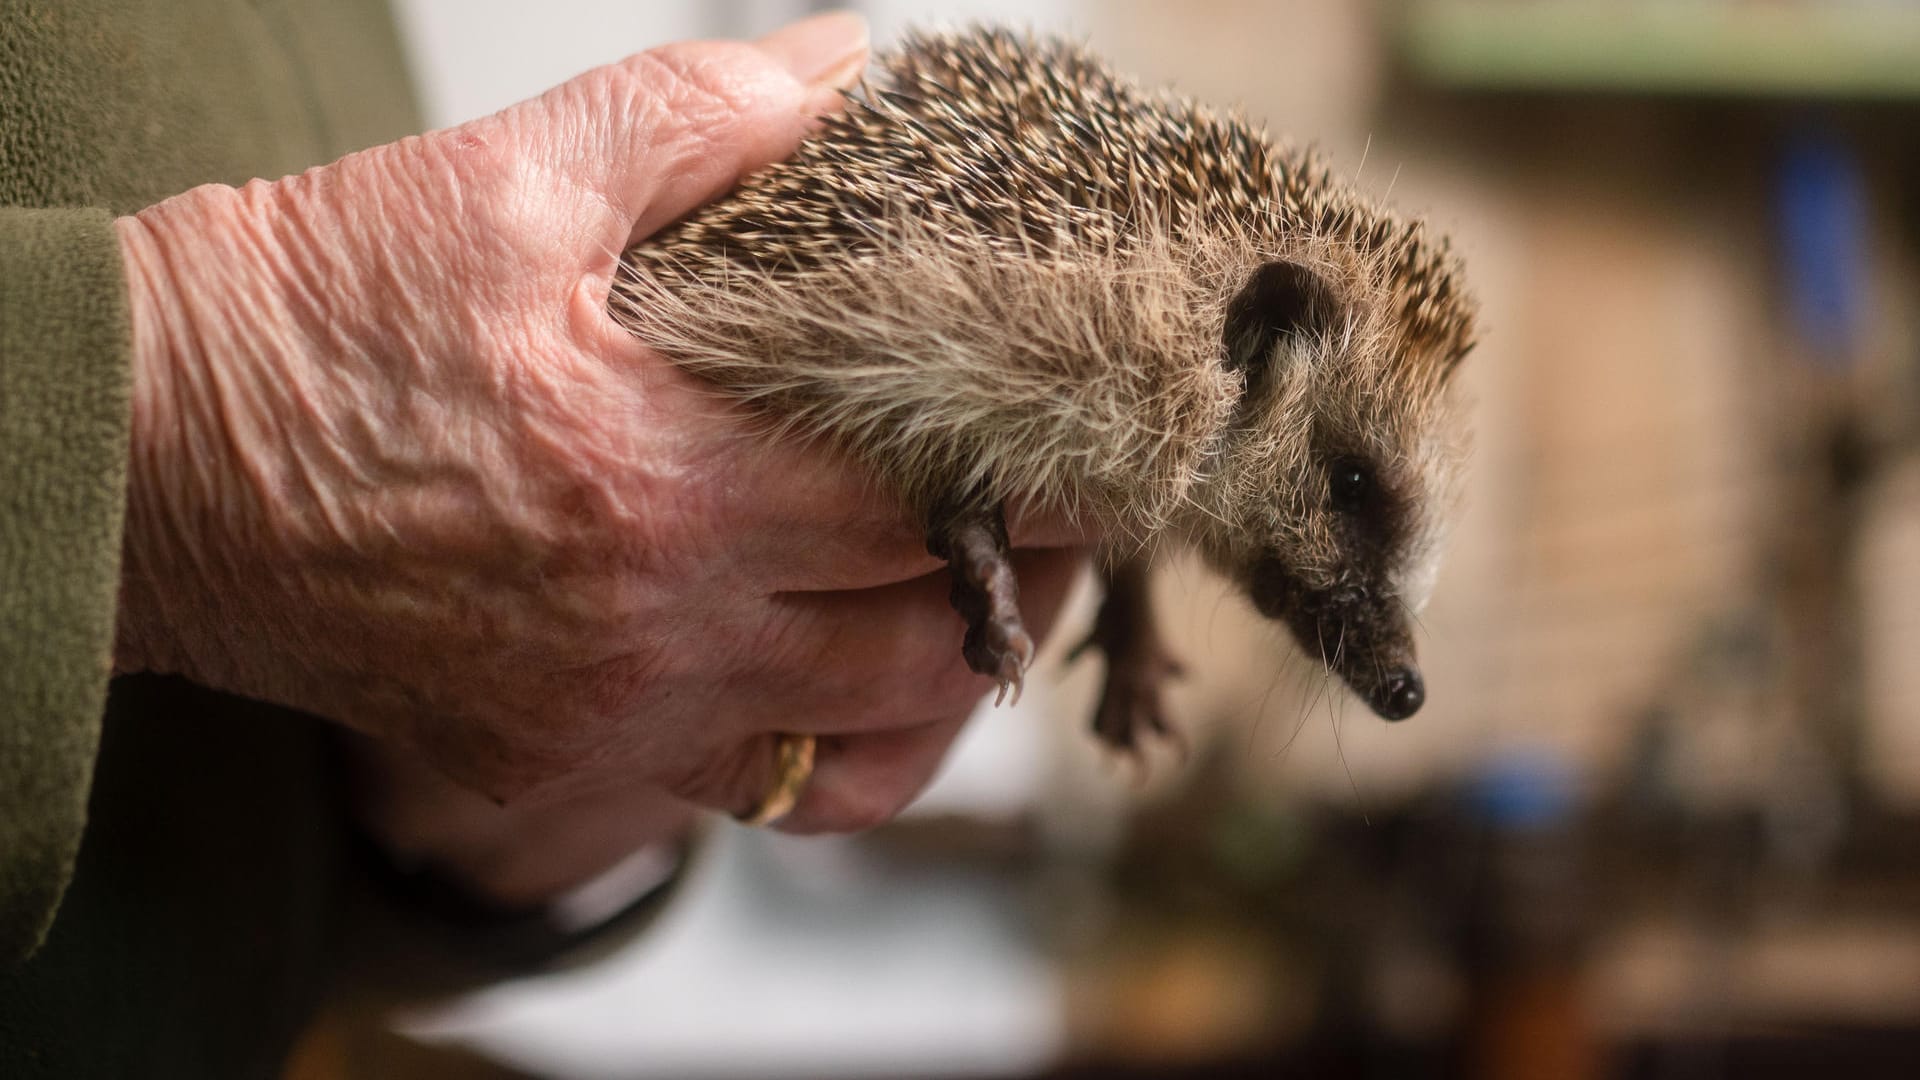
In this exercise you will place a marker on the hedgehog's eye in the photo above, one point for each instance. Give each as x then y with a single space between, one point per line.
1350 485
1279 299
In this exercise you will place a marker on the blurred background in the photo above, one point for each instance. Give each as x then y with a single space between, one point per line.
1661 815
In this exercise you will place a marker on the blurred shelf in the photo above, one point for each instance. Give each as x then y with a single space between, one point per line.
1855 50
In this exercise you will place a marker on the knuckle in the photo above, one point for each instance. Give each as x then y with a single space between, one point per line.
919 654
902 687
729 781
471 167
696 83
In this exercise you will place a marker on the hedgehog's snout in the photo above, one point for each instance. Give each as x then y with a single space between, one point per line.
1400 694
1362 634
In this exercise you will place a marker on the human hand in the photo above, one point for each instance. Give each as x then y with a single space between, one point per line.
394 464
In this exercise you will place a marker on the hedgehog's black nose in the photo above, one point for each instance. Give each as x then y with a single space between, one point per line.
1400 695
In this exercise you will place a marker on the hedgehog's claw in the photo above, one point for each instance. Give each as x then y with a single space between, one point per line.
986 592
1138 665
1009 661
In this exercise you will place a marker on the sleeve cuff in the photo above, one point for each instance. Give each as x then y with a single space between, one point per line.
65 379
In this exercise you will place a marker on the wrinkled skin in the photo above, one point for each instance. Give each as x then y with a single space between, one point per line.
395 465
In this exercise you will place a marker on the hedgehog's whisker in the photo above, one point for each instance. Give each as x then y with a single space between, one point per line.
1413 616
1308 703
1358 803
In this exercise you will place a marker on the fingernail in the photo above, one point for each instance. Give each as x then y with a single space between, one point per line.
825 51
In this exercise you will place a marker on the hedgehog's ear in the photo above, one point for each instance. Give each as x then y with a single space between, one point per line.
1280 299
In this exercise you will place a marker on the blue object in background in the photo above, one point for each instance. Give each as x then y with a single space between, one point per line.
1821 205
1522 791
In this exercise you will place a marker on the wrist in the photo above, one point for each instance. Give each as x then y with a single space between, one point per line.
163 351
212 349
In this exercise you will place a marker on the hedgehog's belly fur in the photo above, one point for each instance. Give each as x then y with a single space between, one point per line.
1087 385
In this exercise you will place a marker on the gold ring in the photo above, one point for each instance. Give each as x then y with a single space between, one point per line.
793 765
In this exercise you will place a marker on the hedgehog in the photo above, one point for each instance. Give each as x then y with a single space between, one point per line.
1006 272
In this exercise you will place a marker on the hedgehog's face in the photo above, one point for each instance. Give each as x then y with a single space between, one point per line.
1336 473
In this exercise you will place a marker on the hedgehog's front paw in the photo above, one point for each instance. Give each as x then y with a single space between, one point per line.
986 593
1000 646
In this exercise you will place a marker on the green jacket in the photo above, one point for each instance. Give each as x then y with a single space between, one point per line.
186 832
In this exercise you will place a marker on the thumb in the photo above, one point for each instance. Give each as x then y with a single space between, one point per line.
684 122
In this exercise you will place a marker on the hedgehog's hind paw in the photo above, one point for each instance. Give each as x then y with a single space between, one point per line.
1138 667
1132 703
986 593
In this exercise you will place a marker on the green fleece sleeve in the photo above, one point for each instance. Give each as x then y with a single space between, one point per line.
64 415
